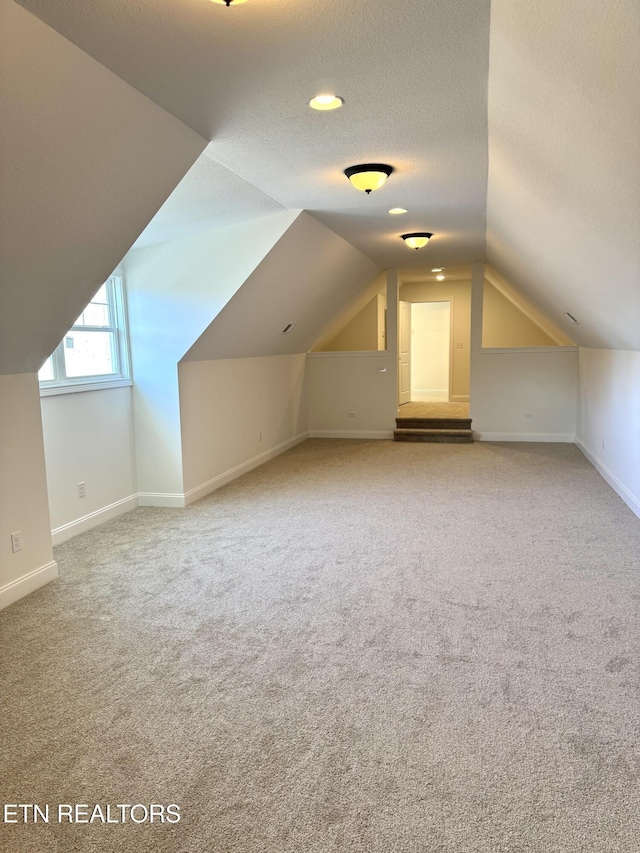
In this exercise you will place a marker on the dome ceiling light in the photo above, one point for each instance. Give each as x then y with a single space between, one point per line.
417 239
397 211
326 102
368 176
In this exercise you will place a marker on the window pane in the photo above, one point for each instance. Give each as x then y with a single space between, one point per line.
45 374
97 311
89 354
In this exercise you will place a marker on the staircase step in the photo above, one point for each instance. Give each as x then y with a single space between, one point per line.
440 436
433 423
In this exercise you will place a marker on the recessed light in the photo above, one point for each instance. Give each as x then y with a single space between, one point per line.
326 102
396 211
440 278
437 269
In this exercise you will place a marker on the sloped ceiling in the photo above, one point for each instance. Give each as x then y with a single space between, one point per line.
561 209
86 162
310 276
413 74
208 197
563 206
176 289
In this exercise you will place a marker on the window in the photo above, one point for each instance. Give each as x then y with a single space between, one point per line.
93 353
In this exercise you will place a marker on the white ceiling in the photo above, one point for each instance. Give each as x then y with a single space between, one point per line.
517 122
413 74
208 197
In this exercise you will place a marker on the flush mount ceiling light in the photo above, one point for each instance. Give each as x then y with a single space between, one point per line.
417 239
229 2
396 211
326 102
437 269
368 176
440 278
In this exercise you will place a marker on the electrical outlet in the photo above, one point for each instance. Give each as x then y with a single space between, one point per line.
603 443
459 344
351 414
16 541
81 490
528 416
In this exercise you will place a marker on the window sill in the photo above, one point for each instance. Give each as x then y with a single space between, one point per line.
77 387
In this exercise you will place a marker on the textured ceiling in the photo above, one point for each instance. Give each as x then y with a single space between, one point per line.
413 74
563 206
545 165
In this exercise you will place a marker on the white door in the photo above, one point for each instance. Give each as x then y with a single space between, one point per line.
404 353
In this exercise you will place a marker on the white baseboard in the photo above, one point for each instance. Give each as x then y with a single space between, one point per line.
555 437
618 487
168 499
233 473
93 519
17 589
459 398
351 433
429 392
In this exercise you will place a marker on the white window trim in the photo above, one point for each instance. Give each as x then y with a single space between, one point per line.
49 388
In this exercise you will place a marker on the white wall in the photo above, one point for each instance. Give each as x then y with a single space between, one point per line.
349 396
174 291
508 385
88 437
608 429
23 490
237 414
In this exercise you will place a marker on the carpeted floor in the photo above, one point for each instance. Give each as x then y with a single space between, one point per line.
432 409
360 647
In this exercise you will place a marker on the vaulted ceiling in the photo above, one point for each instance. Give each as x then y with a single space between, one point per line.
513 129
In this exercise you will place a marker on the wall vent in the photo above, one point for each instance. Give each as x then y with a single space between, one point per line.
572 318
287 329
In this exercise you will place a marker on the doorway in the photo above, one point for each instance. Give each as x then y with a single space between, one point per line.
431 351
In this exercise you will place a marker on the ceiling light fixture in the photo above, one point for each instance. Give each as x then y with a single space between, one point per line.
229 2
326 102
396 211
368 176
440 278
437 269
417 239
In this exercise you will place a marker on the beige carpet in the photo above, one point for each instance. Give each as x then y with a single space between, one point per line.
433 410
361 647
